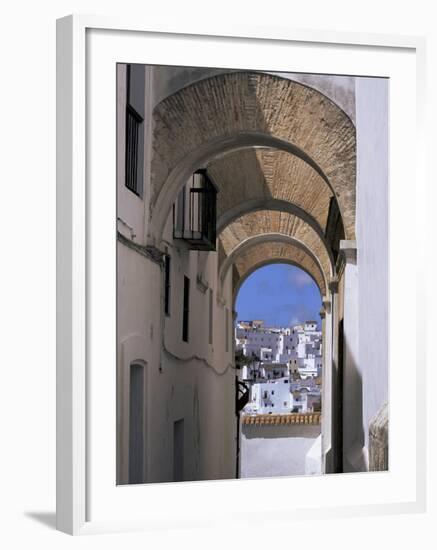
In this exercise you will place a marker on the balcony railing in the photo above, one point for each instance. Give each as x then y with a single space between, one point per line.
195 213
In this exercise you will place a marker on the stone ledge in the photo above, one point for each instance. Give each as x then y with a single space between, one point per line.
278 419
149 252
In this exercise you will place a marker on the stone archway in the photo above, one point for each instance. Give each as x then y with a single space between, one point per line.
249 110
277 252
314 268
273 225
272 261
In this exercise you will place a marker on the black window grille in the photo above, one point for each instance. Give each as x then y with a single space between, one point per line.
167 263
195 213
133 123
211 316
134 130
186 310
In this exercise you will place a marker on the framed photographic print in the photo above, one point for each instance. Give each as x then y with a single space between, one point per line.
231 291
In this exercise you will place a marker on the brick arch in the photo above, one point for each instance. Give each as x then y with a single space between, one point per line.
246 109
269 175
251 245
254 205
267 253
239 281
270 223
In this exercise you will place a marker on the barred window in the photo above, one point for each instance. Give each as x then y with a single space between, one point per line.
134 152
186 310
167 285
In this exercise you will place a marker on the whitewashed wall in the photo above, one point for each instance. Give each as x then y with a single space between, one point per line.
263 449
179 383
372 243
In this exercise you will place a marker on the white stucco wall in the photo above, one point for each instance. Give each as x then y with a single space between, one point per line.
372 242
267 451
186 381
131 219
185 388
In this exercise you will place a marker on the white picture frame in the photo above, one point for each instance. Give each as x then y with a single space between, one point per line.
74 461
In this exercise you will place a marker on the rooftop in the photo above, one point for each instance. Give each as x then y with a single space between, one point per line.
278 419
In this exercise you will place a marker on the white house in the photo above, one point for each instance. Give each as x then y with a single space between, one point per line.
305 400
310 367
271 397
301 344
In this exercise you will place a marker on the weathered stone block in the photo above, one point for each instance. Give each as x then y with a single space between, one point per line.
378 441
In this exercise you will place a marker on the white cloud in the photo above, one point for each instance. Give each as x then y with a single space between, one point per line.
300 279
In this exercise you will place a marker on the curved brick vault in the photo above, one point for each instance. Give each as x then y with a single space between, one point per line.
245 109
262 254
269 174
269 222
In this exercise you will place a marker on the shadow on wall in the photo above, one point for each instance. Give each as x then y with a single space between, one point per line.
351 425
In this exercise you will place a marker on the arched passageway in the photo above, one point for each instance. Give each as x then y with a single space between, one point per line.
312 138
280 426
272 162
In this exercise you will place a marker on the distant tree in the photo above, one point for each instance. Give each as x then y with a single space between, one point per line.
242 360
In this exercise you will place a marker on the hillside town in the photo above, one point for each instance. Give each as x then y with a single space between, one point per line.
281 366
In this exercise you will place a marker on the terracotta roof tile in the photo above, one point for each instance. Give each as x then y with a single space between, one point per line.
281 419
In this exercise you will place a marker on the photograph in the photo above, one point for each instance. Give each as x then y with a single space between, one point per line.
252 239
208 214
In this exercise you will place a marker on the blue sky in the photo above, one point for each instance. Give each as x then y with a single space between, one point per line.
280 294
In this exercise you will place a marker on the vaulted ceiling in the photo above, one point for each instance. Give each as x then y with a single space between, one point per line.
279 152
261 173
